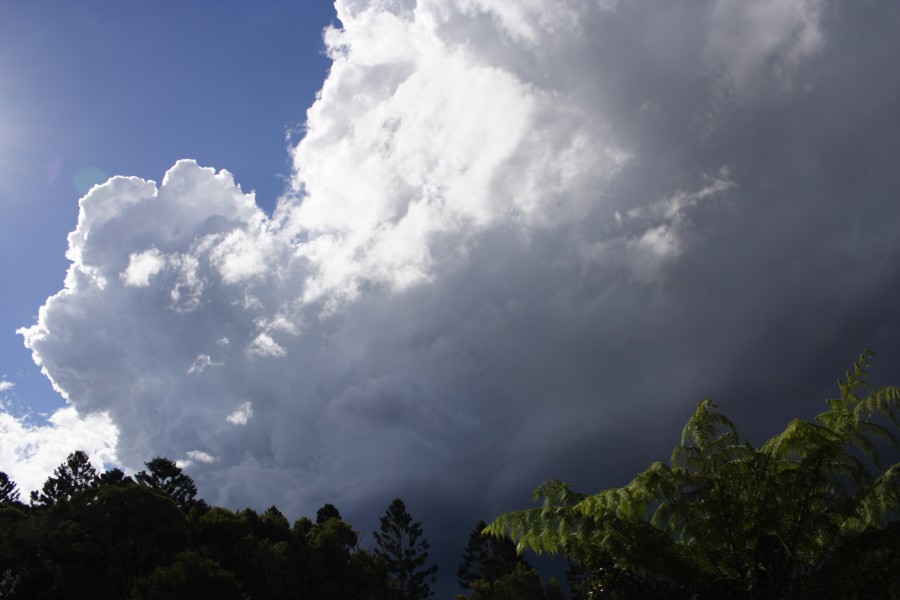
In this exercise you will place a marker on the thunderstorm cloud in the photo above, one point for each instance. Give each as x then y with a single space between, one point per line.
522 240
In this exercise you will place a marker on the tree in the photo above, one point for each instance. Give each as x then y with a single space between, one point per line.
190 576
274 526
331 545
487 558
328 511
165 476
522 583
132 530
727 519
553 590
115 477
72 476
9 491
492 569
404 551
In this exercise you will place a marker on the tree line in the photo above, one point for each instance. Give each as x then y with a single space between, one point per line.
813 512
108 535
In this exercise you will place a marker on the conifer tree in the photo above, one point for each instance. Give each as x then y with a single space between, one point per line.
9 492
115 477
328 511
487 558
165 476
404 552
72 476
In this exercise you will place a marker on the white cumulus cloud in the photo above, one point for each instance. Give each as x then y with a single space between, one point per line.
30 452
142 266
241 415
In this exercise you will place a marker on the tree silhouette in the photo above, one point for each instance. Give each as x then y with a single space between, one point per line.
115 477
72 476
165 476
9 491
190 576
133 529
522 583
404 551
328 511
487 558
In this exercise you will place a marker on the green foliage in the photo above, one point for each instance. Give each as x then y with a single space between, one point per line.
487 558
864 567
522 583
726 519
273 526
492 569
190 576
114 477
165 476
9 582
328 511
553 590
9 491
110 537
404 552
131 530
72 476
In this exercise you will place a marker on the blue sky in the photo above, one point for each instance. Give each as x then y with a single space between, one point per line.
517 241
90 89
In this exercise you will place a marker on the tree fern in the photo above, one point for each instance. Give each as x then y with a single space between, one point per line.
725 518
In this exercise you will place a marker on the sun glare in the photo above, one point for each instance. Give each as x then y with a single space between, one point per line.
13 144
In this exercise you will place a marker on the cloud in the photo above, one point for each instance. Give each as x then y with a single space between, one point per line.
514 249
142 266
5 386
30 452
202 362
768 39
196 457
241 415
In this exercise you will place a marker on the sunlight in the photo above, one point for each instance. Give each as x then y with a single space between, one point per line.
14 142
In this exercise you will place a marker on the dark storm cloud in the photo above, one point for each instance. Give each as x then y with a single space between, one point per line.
515 255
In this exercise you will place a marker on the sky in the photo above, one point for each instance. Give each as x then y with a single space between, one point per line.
490 243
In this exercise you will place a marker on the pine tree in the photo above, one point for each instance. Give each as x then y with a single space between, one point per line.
487 558
165 476
328 511
115 477
404 552
72 476
9 492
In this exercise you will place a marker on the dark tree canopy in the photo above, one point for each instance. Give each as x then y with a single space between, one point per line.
487 558
189 577
522 583
133 530
328 511
115 476
69 478
165 476
9 491
492 569
404 551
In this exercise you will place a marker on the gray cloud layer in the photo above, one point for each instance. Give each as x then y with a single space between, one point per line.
524 239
